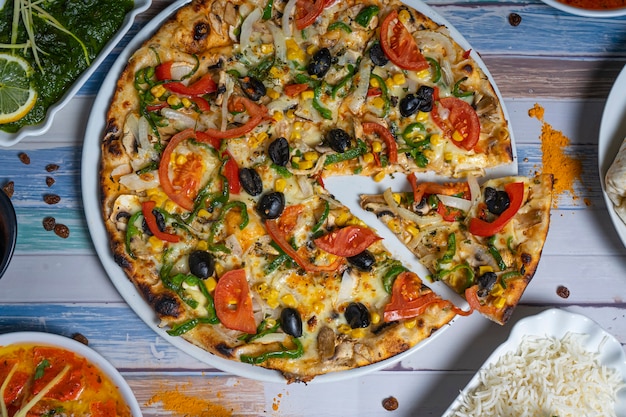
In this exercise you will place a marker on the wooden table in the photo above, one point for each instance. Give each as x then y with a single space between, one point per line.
566 64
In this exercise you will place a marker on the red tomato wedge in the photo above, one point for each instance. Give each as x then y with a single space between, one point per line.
479 227
146 208
347 241
449 214
180 195
406 300
307 11
204 85
462 120
400 47
71 385
231 172
233 303
278 235
427 188
471 296
293 90
256 112
384 133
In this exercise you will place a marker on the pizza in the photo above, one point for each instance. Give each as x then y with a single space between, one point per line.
222 130
484 242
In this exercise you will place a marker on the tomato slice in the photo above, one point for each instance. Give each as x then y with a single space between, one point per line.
146 208
71 385
384 133
427 188
449 214
278 235
347 241
231 172
204 85
401 47
257 114
462 126
471 296
293 90
181 196
307 11
233 303
407 301
479 227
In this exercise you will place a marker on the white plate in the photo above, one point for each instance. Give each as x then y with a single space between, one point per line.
585 12
9 139
557 323
49 339
612 134
347 189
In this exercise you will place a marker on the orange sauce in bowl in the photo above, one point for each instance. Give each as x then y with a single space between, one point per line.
38 380
595 4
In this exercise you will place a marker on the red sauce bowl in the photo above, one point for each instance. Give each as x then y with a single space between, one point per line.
589 8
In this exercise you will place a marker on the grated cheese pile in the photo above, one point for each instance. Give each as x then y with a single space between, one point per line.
545 377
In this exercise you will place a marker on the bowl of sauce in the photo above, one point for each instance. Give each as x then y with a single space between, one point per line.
590 8
8 231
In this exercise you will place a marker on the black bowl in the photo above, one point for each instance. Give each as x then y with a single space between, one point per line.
8 231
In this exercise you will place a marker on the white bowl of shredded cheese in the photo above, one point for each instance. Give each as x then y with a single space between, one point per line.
555 363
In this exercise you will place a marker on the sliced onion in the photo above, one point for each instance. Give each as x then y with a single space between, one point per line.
134 182
305 186
280 42
271 338
233 244
475 194
455 202
142 133
420 221
287 12
122 169
246 28
180 119
230 85
360 93
347 287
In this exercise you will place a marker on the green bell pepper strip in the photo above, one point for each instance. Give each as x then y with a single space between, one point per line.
218 223
339 25
414 131
390 275
267 11
281 170
132 231
323 111
262 330
352 153
449 253
444 272
366 15
151 166
262 69
384 95
175 284
496 253
456 91
436 70
508 275
352 70
303 79
284 353
188 325
323 218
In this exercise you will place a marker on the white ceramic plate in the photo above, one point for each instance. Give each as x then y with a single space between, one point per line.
557 323
338 186
585 12
612 134
49 339
9 139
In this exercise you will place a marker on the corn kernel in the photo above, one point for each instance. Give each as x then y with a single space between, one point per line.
499 303
435 139
457 136
307 95
181 159
276 72
404 16
389 83
447 156
293 50
397 197
357 333
429 154
202 245
342 219
158 90
155 243
421 116
410 324
289 300
278 116
423 73
273 303
378 102
306 164
311 49
170 206
483 269
354 221
280 185
267 48
298 126
344 328
296 159
296 135
291 114
398 78
261 287
186 102
210 284
318 307
375 318
173 100
270 322
414 231
273 94
311 156
394 225
377 146
374 82
497 290
380 176
368 158
219 269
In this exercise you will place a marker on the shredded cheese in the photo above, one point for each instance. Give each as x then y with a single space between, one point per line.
546 376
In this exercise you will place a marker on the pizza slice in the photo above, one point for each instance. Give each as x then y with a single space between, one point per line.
482 241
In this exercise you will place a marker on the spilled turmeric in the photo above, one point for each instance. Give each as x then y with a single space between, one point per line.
565 168
183 405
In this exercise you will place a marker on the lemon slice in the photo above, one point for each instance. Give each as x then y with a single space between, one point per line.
17 95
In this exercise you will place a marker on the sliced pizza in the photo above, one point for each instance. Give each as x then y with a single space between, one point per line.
482 241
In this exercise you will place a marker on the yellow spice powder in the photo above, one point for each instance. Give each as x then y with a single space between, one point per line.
183 405
565 169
